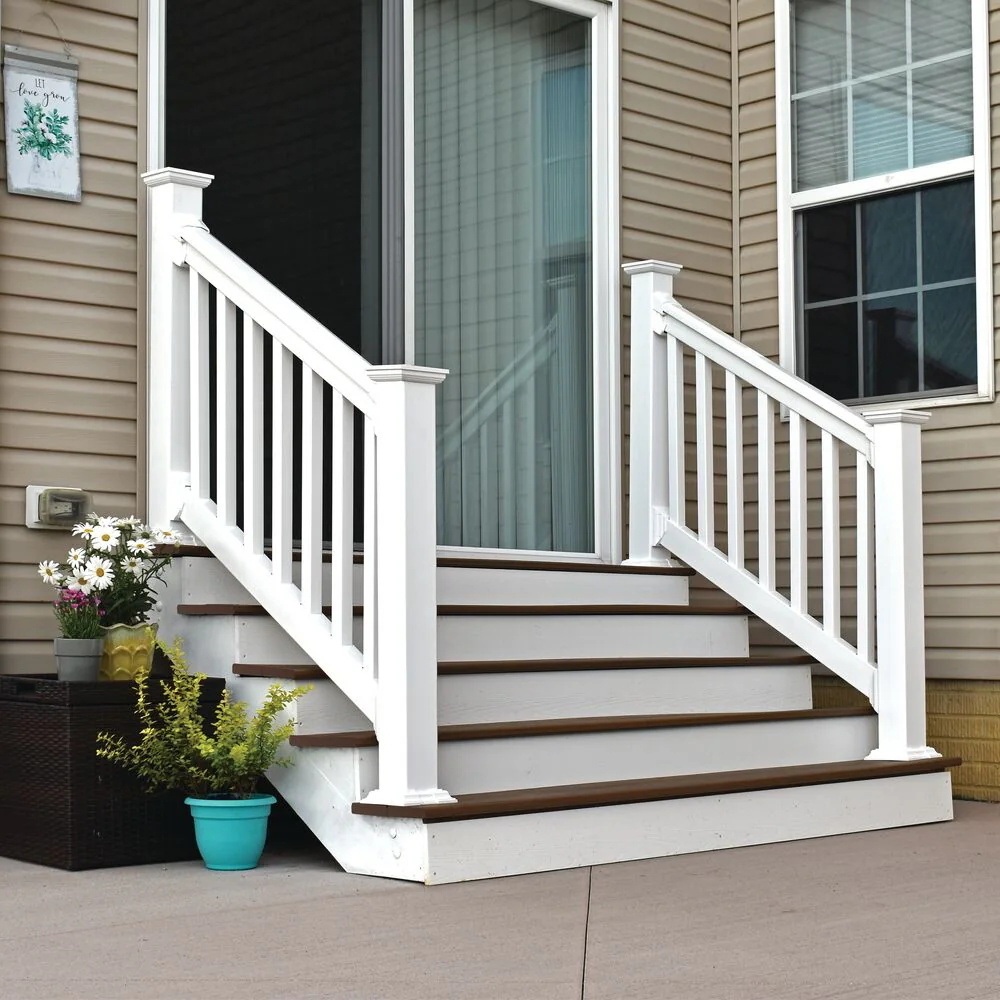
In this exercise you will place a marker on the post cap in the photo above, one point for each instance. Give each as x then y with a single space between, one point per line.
173 175
652 267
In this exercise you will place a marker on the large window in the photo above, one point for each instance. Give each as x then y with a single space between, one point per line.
888 217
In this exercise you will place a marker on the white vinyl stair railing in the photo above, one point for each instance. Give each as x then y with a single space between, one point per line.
235 368
679 365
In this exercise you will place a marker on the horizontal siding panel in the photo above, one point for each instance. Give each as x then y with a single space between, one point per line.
761 316
20 429
757 87
108 473
27 621
113 362
97 212
124 8
76 24
758 200
679 196
955 570
759 228
26 657
976 505
57 244
760 172
694 283
68 396
960 442
758 143
755 31
109 140
963 474
671 167
756 257
670 107
674 50
760 115
653 130
694 228
756 59
109 177
67 320
115 105
91 285
676 80
682 20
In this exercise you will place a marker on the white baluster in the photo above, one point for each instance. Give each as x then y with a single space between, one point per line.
765 491
281 474
406 558
200 415
705 449
652 288
798 526
899 551
225 409
831 533
865 561
253 437
175 200
342 520
369 637
734 469
676 434
312 491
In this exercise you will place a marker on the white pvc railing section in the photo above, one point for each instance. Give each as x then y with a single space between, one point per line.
680 364
229 351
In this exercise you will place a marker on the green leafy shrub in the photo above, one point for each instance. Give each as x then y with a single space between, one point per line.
178 750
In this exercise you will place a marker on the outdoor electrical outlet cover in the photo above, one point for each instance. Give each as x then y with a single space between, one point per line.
56 508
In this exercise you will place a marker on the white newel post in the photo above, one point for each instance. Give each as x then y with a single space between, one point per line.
899 597
174 201
652 287
406 585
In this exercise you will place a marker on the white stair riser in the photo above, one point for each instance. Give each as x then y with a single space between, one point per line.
199 580
511 697
516 845
325 709
575 758
260 640
514 637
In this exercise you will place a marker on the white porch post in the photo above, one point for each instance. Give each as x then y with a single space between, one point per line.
652 285
406 585
175 200
899 597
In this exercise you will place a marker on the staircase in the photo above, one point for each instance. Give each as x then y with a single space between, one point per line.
613 722
473 719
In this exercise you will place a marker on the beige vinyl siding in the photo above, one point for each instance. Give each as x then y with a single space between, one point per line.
961 444
676 152
68 309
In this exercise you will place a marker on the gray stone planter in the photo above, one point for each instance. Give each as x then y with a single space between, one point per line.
78 659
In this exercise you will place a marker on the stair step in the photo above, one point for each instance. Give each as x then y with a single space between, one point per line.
461 667
501 610
595 724
280 671
482 805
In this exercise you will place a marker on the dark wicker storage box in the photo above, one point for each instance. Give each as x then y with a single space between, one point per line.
60 805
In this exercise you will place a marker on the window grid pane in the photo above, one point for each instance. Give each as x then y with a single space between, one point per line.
903 75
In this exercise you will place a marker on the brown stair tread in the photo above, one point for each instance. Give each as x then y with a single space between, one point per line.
284 671
501 610
478 562
482 805
617 663
589 724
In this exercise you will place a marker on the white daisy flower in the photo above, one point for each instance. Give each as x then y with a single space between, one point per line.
108 521
105 538
165 535
140 547
132 521
99 573
135 565
78 581
76 556
85 530
49 572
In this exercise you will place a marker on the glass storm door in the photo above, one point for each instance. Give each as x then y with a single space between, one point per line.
503 268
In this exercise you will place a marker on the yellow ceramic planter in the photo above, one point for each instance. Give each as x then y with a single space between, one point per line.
127 649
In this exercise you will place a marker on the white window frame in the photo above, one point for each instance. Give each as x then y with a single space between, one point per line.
977 165
605 131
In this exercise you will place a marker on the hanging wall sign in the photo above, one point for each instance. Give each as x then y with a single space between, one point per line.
42 125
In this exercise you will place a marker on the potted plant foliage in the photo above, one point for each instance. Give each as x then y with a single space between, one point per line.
78 648
121 559
218 762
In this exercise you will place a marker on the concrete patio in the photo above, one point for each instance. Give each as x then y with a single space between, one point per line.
898 915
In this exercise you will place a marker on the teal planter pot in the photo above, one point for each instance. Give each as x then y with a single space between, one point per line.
231 832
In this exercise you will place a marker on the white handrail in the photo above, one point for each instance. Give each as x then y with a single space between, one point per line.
884 449
196 442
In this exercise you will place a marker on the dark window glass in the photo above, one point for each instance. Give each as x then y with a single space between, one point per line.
830 252
892 363
950 337
832 349
948 226
889 242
